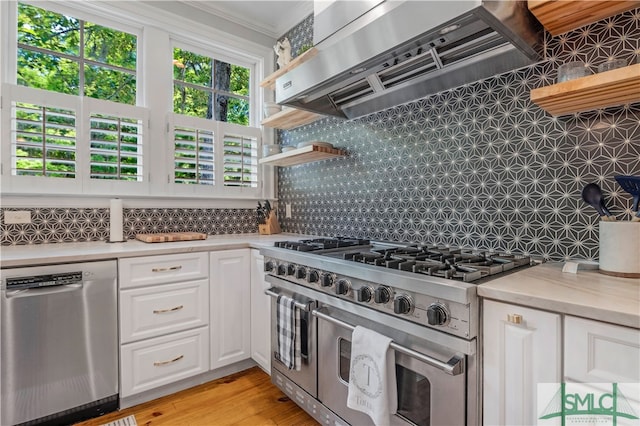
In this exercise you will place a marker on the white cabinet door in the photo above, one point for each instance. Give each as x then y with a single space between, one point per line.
516 358
230 296
260 314
596 352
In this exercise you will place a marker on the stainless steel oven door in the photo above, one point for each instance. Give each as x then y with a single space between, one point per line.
431 383
306 377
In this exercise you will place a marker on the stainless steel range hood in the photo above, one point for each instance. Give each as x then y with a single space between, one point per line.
401 51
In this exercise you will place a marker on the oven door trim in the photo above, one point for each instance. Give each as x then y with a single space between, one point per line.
454 366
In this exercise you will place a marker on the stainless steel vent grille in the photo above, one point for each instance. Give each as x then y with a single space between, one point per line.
421 58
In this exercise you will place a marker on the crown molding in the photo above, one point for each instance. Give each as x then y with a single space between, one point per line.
295 14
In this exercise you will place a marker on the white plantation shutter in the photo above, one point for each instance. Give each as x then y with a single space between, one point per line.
67 144
193 155
115 148
240 161
43 139
40 141
116 135
214 158
239 171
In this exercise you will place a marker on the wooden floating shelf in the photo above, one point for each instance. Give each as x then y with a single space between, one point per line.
561 16
270 81
307 154
610 88
289 118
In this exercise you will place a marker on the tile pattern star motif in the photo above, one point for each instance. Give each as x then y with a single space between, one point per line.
478 166
300 35
62 225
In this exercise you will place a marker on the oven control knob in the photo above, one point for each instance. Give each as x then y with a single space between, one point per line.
269 266
343 287
291 269
313 277
382 295
364 293
402 304
437 314
326 280
282 270
301 272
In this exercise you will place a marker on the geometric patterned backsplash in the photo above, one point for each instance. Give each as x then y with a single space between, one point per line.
479 166
61 225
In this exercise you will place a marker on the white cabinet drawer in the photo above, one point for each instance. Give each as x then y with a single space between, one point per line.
154 311
597 352
148 270
155 362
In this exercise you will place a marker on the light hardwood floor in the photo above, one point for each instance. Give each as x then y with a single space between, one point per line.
245 398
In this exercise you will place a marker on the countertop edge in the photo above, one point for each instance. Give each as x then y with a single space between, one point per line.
47 254
586 294
563 307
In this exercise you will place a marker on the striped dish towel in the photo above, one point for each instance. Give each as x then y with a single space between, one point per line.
288 330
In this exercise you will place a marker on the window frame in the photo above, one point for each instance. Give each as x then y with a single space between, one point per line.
147 24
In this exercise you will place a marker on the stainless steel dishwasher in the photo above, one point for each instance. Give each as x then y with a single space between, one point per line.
59 346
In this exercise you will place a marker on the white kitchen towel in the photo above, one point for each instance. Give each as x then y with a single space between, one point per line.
288 331
372 376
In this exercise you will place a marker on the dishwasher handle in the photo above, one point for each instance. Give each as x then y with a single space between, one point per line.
44 291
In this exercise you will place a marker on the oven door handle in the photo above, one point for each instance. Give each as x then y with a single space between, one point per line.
273 292
452 367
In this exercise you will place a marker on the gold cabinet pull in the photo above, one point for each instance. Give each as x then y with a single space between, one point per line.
159 363
514 318
162 311
170 268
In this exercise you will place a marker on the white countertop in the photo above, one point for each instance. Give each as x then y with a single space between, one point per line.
40 254
587 294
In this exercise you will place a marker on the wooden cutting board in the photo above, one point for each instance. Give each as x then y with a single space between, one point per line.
171 236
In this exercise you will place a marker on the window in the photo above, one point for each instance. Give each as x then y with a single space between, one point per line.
73 110
83 113
208 88
215 147
67 55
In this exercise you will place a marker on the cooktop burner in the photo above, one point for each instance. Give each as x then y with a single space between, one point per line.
321 244
439 262
449 263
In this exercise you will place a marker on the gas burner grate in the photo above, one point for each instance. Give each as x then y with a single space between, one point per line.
441 262
321 244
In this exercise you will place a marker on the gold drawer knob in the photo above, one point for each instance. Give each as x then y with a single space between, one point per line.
514 318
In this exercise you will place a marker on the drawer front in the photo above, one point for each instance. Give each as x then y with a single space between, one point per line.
155 311
149 270
597 352
163 360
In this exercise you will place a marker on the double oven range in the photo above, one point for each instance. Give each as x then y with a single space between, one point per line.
423 298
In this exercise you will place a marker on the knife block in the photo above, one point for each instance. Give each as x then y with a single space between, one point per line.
271 227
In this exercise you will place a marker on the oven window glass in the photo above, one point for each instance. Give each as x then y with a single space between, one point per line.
414 390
